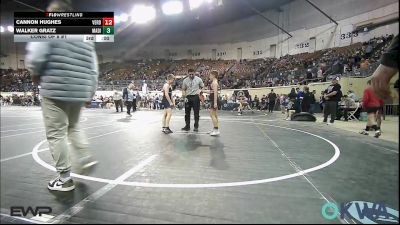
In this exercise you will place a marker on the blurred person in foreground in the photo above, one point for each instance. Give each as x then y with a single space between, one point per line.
388 68
68 75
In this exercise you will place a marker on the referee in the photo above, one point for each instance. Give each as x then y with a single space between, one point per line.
191 88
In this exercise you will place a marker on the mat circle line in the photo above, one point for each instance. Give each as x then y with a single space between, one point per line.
209 185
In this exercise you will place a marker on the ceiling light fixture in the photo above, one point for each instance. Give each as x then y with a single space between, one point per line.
142 14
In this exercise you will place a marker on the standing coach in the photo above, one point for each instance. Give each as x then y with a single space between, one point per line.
191 88
68 73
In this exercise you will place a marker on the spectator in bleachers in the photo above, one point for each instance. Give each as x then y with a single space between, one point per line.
286 70
352 95
346 104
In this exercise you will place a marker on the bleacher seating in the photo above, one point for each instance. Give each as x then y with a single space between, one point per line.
358 59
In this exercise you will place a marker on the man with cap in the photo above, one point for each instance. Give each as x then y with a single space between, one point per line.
191 88
332 96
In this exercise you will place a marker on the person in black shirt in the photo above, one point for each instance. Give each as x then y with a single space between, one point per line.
292 95
332 97
250 101
307 98
322 101
134 100
299 98
312 106
125 96
271 101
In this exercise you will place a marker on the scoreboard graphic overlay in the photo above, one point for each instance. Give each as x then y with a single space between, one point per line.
64 26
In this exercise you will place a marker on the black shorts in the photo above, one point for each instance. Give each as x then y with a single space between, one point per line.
374 109
212 102
166 104
212 105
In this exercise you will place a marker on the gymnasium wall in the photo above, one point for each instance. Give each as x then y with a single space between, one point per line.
14 52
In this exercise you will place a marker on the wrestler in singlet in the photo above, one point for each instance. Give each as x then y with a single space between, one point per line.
164 99
212 98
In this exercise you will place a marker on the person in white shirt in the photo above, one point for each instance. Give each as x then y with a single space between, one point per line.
351 95
118 101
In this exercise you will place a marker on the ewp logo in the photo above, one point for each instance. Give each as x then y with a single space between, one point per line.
363 212
21 212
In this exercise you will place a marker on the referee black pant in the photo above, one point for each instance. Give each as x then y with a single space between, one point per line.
193 102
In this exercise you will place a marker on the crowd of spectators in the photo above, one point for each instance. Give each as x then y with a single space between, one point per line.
20 100
15 80
357 59
134 70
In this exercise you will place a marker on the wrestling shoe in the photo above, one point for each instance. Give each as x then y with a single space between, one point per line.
215 133
168 131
